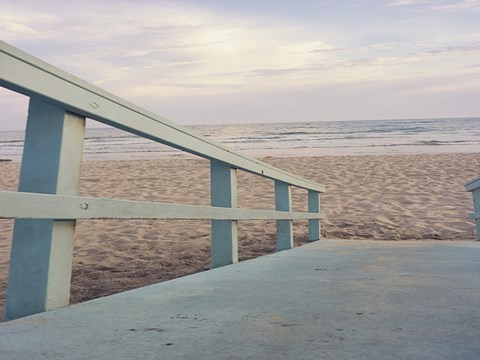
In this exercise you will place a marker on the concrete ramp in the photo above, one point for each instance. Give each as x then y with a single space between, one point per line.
326 300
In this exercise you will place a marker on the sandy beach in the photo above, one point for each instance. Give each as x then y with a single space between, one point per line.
399 197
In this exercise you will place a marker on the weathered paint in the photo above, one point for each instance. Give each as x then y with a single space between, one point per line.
283 202
42 250
223 179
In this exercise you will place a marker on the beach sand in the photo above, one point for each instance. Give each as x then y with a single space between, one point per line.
399 197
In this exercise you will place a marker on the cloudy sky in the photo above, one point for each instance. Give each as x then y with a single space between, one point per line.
226 61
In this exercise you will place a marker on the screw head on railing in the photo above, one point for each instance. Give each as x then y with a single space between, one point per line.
84 206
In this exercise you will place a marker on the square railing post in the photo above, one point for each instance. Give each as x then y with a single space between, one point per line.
283 202
42 250
474 187
476 207
314 224
223 179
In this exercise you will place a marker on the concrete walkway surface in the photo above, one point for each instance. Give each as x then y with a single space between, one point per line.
331 299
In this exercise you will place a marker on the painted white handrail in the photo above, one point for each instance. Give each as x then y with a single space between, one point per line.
33 77
47 206
61 207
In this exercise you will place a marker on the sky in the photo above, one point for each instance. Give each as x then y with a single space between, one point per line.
251 61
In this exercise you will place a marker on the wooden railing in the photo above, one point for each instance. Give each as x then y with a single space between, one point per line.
474 187
47 206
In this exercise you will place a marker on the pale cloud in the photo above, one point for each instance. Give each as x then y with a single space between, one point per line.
14 27
135 50
154 52
17 24
407 2
161 51
443 5
459 5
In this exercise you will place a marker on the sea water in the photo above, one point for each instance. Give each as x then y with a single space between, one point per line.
363 137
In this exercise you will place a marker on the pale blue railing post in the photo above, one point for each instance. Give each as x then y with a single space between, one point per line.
474 187
42 250
223 180
476 205
283 202
313 224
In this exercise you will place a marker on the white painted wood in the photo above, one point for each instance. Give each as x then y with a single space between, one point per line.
42 250
283 202
28 75
223 184
43 206
314 229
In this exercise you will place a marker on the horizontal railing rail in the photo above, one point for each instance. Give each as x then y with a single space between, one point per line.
47 206
60 207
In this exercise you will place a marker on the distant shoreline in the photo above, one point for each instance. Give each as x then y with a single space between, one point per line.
290 153
294 139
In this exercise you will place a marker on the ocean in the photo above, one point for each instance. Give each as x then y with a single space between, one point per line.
363 137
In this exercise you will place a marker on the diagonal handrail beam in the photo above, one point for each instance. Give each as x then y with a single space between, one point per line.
33 77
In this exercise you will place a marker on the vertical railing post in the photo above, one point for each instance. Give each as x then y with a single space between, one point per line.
42 250
223 180
283 202
476 209
313 207
474 187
